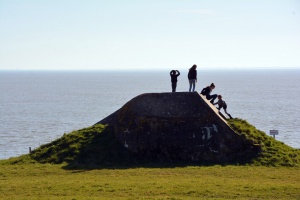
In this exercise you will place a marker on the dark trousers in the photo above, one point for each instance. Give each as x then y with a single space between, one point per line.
211 97
174 85
225 109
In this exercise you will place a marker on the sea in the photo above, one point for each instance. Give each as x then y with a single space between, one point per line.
37 107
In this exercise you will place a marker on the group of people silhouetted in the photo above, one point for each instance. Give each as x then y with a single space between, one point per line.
192 77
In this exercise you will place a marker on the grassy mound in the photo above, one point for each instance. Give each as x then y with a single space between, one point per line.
97 146
94 145
274 153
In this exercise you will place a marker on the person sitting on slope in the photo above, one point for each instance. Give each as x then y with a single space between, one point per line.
206 92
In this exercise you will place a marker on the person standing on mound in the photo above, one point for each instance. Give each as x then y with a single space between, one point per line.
206 92
174 76
192 76
222 104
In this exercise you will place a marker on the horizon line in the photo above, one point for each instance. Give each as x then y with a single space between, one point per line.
164 69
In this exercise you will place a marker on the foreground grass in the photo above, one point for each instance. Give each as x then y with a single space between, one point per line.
91 164
47 181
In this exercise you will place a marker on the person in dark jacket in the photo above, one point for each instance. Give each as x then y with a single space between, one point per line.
174 76
192 76
206 92
222 104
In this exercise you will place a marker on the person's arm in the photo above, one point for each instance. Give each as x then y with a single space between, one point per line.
218 102
178 73
196 75
170 72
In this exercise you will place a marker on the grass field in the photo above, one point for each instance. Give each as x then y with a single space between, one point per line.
79 165
48 181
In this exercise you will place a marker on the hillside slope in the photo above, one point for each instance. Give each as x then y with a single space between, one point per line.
170 128
97 146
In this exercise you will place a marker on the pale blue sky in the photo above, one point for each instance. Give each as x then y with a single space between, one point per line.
156 34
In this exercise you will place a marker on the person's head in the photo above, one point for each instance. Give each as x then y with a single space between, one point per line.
212 86
219 96
193 67
173 72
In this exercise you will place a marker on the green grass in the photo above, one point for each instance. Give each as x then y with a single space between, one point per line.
91 164
92 146
52 181
96 146
274 153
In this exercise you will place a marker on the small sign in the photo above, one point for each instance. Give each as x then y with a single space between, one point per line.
274 132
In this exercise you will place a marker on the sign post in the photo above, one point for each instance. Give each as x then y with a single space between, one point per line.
274 132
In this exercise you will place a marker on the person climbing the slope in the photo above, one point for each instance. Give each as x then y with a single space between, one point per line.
222 104
206 92
174 76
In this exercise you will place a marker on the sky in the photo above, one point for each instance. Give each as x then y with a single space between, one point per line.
148 35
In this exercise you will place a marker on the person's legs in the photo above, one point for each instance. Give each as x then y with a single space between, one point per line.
190 85
194 84
174 84
214 96
211 97
225 109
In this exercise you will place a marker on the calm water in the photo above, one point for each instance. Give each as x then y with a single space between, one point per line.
37 107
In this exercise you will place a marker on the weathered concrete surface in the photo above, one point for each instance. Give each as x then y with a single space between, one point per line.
178 126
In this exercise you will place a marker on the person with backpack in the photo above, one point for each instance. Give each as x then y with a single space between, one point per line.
222 104
174 76
192 76
206 92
